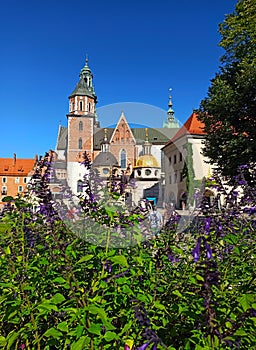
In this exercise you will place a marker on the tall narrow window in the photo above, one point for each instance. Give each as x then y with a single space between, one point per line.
4 190
123 158
89 107
20 188
80 143
80 126
81 105
79 186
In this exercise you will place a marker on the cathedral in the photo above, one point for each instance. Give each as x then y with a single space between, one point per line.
134 151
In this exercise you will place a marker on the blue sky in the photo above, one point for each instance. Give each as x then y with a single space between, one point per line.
137 50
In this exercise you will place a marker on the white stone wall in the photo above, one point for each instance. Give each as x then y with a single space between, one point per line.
75 172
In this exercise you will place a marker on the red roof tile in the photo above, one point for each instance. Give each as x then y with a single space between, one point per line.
19 167
192 126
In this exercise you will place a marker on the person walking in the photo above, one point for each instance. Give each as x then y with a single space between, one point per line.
156 221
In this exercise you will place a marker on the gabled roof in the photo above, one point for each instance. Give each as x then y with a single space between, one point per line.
16 167
62 138
192 126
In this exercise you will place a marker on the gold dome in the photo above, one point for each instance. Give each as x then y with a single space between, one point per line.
147 161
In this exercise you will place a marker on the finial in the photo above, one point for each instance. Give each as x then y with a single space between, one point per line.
170 98
105 134
146 134
86 59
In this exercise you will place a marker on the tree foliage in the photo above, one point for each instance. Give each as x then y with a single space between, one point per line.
229 110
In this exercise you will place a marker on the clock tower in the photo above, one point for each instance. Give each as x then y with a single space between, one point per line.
82 120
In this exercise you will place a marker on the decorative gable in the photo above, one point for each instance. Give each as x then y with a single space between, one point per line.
122 133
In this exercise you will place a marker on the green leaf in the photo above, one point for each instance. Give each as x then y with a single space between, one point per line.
11 339
2 341
159 306
47 307
109 336
95 328
119 259
57 299
59 280
85 258
63 326
80 344
52 332
95 310
241 333
8 250
246 301
176 292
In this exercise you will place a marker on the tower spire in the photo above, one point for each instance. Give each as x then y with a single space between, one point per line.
171 121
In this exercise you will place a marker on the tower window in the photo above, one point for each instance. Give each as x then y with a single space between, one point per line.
4 179
80 143
81 105
73 106
4 190
180 157
89 107
175 159
123 158
80 126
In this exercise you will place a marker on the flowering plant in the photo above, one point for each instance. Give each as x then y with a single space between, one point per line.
187 289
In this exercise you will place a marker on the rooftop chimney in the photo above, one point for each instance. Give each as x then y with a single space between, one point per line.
14 159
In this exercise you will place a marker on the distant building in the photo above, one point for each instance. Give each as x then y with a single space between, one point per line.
122 146
183 151
14 175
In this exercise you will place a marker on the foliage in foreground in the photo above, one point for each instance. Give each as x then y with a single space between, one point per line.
189 289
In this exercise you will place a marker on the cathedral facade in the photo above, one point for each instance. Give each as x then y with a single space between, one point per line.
133 151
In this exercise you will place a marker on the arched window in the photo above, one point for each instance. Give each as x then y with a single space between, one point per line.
79 186
89 107
81 105
123 158
80 143
80 126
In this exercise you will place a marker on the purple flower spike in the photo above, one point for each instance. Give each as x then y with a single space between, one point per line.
127 347
196 250
207 224
143 347
208 250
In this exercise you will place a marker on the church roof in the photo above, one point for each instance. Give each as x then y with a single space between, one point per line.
192 126
155 136
105 159
82 89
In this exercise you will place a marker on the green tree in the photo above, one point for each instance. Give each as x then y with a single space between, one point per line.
229 110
